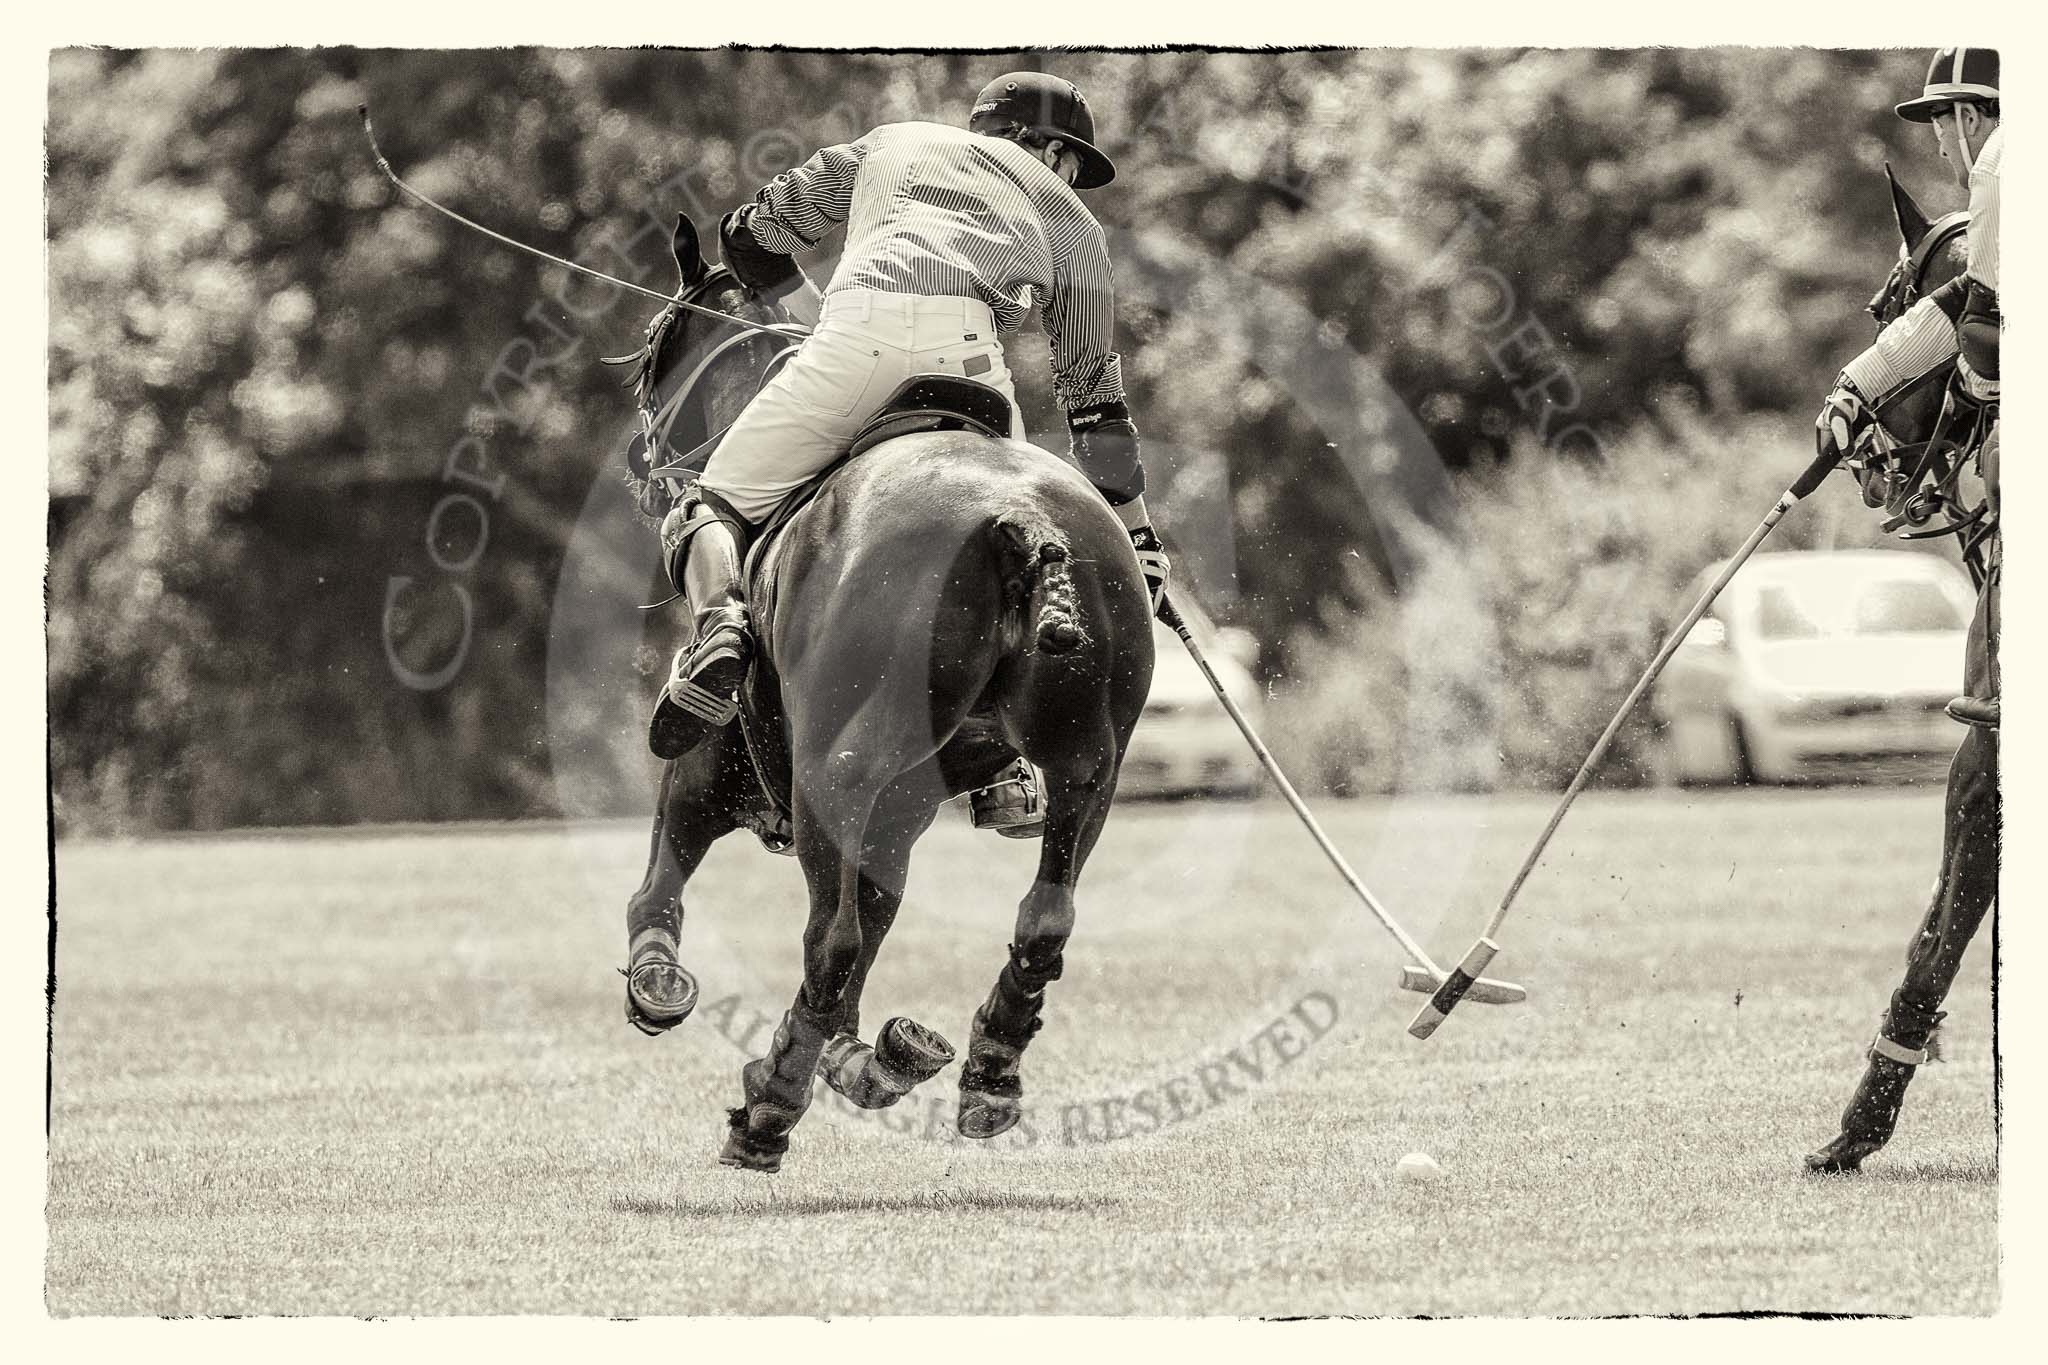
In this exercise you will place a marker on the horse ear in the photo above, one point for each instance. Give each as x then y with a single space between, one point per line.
1912 222
689 255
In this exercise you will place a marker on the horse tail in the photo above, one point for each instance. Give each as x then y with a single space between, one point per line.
1038 588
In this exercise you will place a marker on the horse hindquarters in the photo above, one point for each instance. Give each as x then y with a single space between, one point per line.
1071 711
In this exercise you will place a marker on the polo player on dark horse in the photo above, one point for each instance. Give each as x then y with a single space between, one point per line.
946 232
1958 322
948 604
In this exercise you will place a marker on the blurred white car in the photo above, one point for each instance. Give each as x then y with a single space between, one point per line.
1185 743
1816 664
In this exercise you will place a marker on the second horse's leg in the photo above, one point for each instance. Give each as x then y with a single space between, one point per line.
1965 891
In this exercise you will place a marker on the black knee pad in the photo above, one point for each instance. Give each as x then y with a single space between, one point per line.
698 507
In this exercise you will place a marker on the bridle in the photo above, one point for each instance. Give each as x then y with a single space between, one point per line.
1916 480
659 413
1902 289
656 422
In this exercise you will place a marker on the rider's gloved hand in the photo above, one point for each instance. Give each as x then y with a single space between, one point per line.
1105 444
1843 419
755 266
1152 560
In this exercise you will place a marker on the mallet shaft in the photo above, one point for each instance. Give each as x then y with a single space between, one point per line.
673 301
1168 614
1447 995
1671 644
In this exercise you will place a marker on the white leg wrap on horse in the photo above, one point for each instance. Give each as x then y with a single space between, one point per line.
842 1062
648 940
1882 1046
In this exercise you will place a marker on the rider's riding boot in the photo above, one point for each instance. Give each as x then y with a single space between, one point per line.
1873 1110
1981 712
701 695
1010 805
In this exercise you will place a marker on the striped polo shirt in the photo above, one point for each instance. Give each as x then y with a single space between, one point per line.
935 210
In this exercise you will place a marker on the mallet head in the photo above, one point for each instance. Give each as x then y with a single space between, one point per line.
1487 990
1464 980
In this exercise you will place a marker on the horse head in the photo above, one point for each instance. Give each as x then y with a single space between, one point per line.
693 374
1891 466
1932 252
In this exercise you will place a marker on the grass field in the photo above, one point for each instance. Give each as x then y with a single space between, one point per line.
386 1074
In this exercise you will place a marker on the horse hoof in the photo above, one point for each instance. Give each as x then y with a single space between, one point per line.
911 1050
906 1054
742 1155
660 993
757 1137
1844 1156
984 1116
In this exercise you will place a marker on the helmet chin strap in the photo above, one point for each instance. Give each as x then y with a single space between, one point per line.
1962 140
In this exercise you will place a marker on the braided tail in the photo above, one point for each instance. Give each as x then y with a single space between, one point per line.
1038 587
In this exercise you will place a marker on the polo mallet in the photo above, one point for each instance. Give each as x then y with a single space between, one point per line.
1465 977
673 301
1427 977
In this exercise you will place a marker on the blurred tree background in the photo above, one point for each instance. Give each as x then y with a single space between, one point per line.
1453 367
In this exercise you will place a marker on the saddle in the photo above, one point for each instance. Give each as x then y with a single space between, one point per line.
923 402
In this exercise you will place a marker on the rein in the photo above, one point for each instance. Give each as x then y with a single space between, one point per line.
657 424
658 420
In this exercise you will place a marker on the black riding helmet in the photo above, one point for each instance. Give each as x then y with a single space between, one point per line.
1955 75
1048 106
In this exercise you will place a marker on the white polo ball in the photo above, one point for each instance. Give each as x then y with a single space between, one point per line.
1418 1166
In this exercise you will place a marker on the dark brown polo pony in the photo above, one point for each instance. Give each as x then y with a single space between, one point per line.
947 602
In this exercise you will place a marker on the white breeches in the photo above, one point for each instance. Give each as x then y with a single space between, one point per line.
865 345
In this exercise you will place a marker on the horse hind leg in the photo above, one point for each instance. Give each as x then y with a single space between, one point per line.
905 1054
991 1082
847 749
835 796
